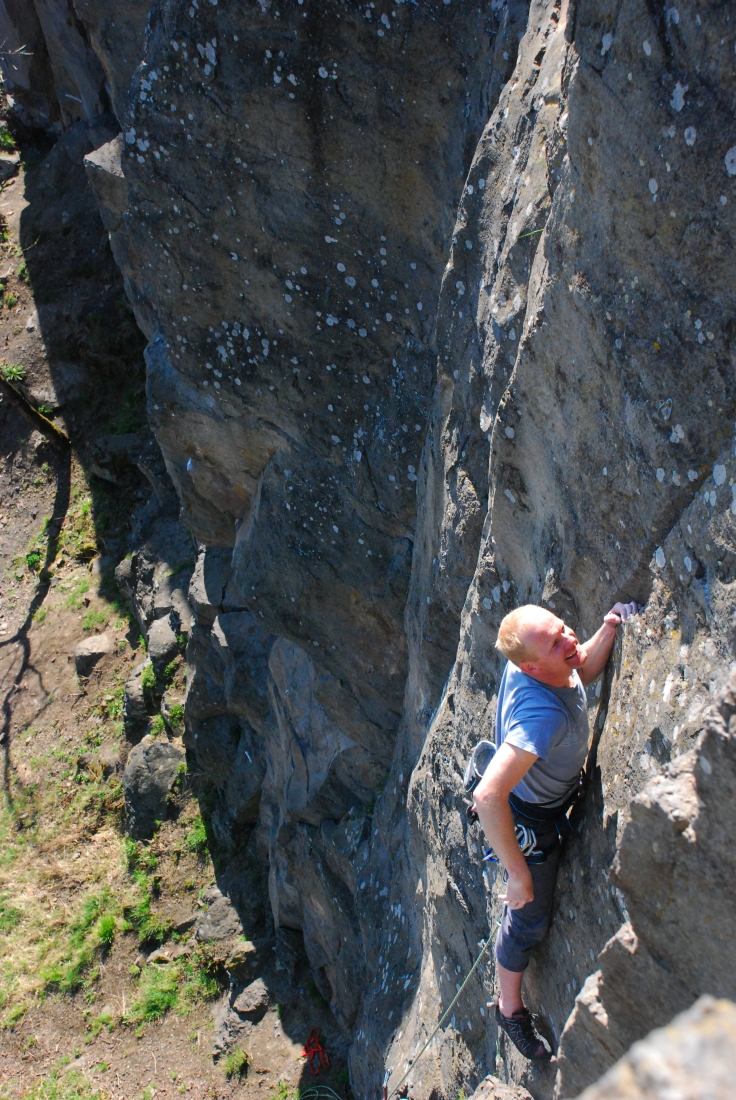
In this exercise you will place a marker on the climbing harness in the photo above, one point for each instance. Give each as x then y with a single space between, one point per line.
388 1095
526 837
317 1057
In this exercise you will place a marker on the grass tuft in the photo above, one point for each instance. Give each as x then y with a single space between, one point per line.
236 1063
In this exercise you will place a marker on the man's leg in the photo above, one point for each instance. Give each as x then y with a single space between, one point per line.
509 1000
520 931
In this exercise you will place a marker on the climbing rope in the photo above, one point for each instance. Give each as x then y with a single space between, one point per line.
317 1057
388 1095
319 1092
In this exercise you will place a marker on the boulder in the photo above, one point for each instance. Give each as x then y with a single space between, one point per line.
9 166
220 921
163 645
92 650
254 1000
149 776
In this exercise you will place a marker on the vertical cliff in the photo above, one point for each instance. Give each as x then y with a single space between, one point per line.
439 301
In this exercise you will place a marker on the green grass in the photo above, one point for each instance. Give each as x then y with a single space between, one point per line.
77 593
158 992
7 141
9 915
69 1086
13 372
40 614
94 619
236 1063
197 837
92 929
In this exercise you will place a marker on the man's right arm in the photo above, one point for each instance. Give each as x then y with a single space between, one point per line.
508 766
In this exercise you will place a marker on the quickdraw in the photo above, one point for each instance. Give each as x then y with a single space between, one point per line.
317 1057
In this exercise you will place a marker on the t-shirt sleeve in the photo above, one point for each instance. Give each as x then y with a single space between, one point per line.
536 726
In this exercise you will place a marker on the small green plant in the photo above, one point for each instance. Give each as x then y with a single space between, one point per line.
23 271
10 301
158 726
197 837
33 561
45 410
39 615
176 714
236 1064
148 678
170 671
284 1091
7 141
12 372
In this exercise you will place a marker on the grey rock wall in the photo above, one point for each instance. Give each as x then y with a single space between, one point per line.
439 301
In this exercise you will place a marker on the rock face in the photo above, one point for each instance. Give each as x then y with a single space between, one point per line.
439 303
694 1057
150 773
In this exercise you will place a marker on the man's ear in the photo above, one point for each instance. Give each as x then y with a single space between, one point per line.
528 667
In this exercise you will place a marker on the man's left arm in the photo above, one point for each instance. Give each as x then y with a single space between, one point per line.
599 647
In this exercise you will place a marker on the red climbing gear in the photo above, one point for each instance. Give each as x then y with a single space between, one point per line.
314 1052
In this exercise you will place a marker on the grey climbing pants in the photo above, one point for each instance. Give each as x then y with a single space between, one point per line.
521 929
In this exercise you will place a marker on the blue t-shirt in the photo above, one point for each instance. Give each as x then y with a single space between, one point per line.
548 721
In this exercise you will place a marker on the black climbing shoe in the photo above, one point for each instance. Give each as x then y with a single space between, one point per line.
523 1034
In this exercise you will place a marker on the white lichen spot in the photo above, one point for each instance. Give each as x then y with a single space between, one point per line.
660 474
647 48
730 162
692 475
678 433
719 474
659 557
323 72
653 186
606 43
690 135
487 603
341 267
677 101
510 495
509 433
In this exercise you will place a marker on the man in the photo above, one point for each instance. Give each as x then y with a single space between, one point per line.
541 747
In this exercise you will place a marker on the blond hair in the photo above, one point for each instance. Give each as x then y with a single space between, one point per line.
510 640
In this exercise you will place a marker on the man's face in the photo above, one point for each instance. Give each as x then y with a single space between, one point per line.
556 650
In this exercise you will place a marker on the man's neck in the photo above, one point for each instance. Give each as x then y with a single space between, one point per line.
552 681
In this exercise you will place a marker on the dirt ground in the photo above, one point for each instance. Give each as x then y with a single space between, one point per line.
83 1013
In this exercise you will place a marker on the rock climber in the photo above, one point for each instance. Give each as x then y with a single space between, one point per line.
532 780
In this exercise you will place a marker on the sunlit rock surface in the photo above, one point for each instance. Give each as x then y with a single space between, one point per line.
439 302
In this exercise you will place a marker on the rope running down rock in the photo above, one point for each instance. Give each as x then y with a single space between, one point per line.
446 1013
